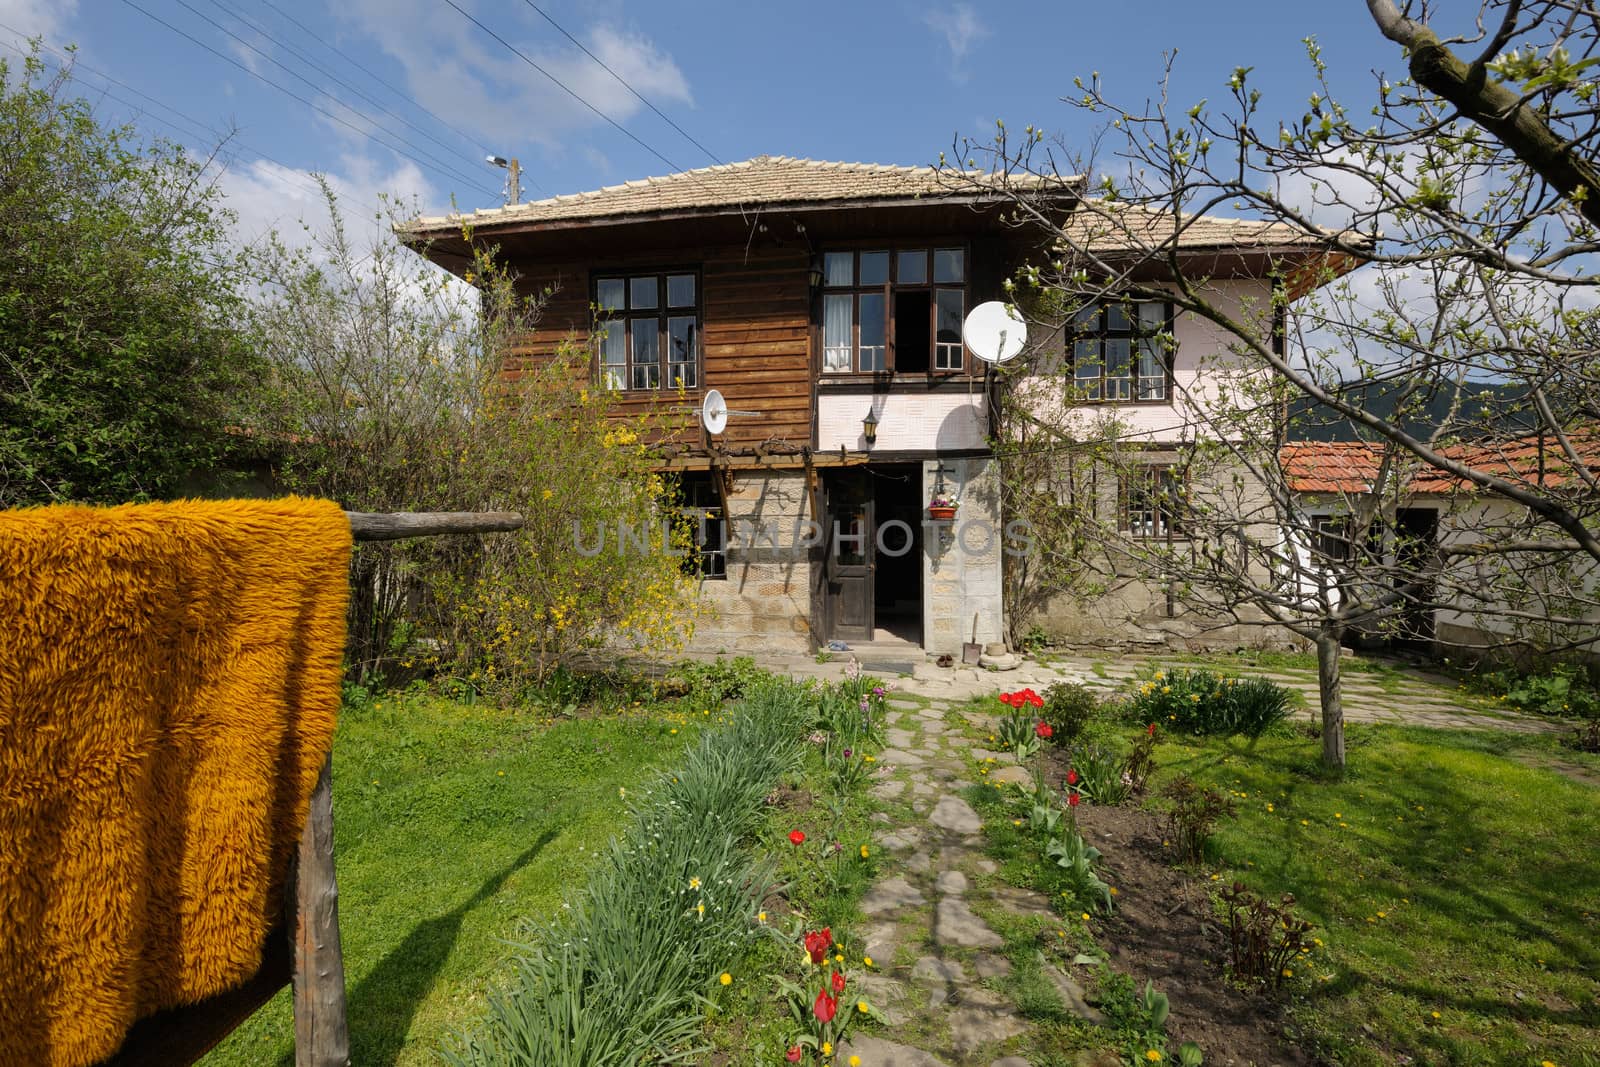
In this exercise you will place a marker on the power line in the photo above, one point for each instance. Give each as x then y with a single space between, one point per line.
68 65
444 167
563 86
331 76
348 58
297 97
624 82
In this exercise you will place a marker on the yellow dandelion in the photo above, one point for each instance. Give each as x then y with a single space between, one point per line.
865 852
855 1061
761 916
839 958
1434 1015
866 961
1153 1055
863 1007
1085 916
827 1048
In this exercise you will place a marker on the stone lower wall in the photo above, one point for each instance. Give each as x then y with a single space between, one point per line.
764 604
961 580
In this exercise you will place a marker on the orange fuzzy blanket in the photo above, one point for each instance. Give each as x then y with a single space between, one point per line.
169 675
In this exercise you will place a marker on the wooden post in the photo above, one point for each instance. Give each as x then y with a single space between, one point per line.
321 1033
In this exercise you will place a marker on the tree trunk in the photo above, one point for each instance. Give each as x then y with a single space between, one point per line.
1328 688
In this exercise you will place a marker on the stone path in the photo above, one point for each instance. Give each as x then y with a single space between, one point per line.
1396 694
938 962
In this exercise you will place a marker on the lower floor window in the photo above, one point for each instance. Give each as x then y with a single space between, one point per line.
1151 495
702 508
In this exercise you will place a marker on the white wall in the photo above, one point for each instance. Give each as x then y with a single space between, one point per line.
943 421
1202 363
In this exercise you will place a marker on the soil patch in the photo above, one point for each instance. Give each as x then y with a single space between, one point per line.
1163 930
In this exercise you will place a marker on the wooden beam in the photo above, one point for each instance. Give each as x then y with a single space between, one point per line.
321 1032
395 526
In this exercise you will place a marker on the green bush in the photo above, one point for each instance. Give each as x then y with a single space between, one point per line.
1562 690
1200 701
1068 707
622 977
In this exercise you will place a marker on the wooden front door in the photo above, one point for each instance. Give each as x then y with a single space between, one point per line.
849 535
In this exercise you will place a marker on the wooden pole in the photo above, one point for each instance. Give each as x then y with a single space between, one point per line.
321 1031
321 1026
398 525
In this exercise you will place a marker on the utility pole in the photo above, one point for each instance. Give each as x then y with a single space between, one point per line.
513 169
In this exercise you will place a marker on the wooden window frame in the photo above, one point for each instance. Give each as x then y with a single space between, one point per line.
707 562
892 283
1165 525
1133 334
663 314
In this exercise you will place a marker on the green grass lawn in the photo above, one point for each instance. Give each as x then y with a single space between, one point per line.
1454 881
453 825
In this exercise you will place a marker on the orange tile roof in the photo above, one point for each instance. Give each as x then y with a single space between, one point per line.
763 182
1350 466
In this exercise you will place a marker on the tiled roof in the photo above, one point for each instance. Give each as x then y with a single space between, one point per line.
1107 224
1350 466
761 182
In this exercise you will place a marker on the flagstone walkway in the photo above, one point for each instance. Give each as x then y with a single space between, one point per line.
1373 691
935 955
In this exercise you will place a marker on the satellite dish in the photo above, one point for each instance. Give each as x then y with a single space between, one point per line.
714 412
995 332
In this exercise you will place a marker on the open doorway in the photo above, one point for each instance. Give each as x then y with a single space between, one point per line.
870 570
897 579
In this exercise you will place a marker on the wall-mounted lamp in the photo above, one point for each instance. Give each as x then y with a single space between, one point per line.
869 428
815 276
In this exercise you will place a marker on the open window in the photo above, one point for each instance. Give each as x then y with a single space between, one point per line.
894 310
702 509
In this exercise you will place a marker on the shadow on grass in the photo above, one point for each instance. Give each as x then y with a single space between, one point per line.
386 999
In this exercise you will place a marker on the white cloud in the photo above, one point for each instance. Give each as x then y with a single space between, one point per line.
34 18
960 26
478 86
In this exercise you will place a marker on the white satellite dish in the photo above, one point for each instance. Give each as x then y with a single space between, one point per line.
714 412
995 332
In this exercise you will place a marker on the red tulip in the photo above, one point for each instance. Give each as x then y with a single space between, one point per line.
1072 776
797 837
825 1007
817 943
1033 698
1043 729
1072 800
1008 700
838 982
1151 730
793 1055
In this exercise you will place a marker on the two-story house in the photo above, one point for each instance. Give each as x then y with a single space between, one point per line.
825 302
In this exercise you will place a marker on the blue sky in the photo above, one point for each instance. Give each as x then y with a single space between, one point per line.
889 82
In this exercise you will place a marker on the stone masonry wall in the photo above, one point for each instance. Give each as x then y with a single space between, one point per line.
962 580
764 604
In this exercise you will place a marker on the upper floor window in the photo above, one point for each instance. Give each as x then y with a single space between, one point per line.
893 309
1121 352
649 330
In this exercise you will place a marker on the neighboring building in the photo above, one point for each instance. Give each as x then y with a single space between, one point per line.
1434 512
825 302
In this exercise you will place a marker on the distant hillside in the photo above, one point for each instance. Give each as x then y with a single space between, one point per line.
1487 406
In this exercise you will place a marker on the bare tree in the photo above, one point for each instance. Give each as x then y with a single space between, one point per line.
1432 289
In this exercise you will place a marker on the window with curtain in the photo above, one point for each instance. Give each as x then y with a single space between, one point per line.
1122 352
894 310
649 331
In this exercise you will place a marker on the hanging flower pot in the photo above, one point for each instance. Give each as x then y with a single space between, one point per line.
942 509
